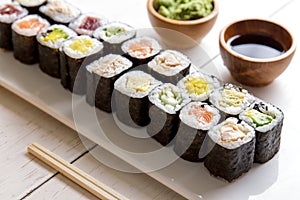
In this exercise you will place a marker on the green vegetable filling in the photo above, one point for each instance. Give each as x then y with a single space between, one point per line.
258 118
183 9
55 35
113 31
170 97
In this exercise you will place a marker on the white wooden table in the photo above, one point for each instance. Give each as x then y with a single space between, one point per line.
23 177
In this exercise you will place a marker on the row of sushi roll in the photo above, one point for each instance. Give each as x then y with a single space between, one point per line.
221 125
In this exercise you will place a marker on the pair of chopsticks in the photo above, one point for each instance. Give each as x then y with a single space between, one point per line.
78 176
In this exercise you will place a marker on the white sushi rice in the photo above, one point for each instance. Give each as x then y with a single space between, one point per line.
212 84
154 49
8 19
58 43
191 120
31 3
155 98
97 46
127 33
267 109
169 63
60 11
29 31
110 65
221 134
75 24
217 98
120 84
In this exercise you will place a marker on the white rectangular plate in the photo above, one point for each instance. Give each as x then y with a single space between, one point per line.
191 180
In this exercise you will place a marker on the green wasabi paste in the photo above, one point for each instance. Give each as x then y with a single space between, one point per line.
183 9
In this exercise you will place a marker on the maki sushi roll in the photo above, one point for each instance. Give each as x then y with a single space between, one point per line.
9 13
169 66
141 50
76 53
86 24
131 97
199 85
232 149
267 120
59 12
105 71
231 99
166 101
32 5
24 32
49 42
191 140
113 35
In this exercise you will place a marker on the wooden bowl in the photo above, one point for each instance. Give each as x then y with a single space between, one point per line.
182 33
256 71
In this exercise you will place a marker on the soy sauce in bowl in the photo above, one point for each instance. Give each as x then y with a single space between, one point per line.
256 46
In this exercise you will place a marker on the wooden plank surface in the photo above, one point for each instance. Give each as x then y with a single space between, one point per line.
21 124
134 186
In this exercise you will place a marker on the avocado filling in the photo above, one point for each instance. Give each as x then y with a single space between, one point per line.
259 118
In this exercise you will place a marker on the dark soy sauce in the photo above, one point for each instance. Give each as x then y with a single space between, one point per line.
256 46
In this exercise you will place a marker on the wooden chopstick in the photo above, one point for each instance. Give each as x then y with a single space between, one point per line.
78 176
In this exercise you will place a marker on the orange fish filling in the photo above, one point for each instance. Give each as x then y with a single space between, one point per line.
203 116
31 24
141 48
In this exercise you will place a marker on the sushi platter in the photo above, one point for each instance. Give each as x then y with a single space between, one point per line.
98 103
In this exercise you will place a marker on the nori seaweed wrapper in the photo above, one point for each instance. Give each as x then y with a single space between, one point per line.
25 48
15 11
267 144
24 32
232 144
103 92
105 72
34 9
76 54
196 118
59 12
169 66
50 41
163 126
131 111
136 50
90 86
73 72
49 60
231 100
130 97
170 79
64 69
113 35
112 48
6 36
166 101
230 163
267 120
